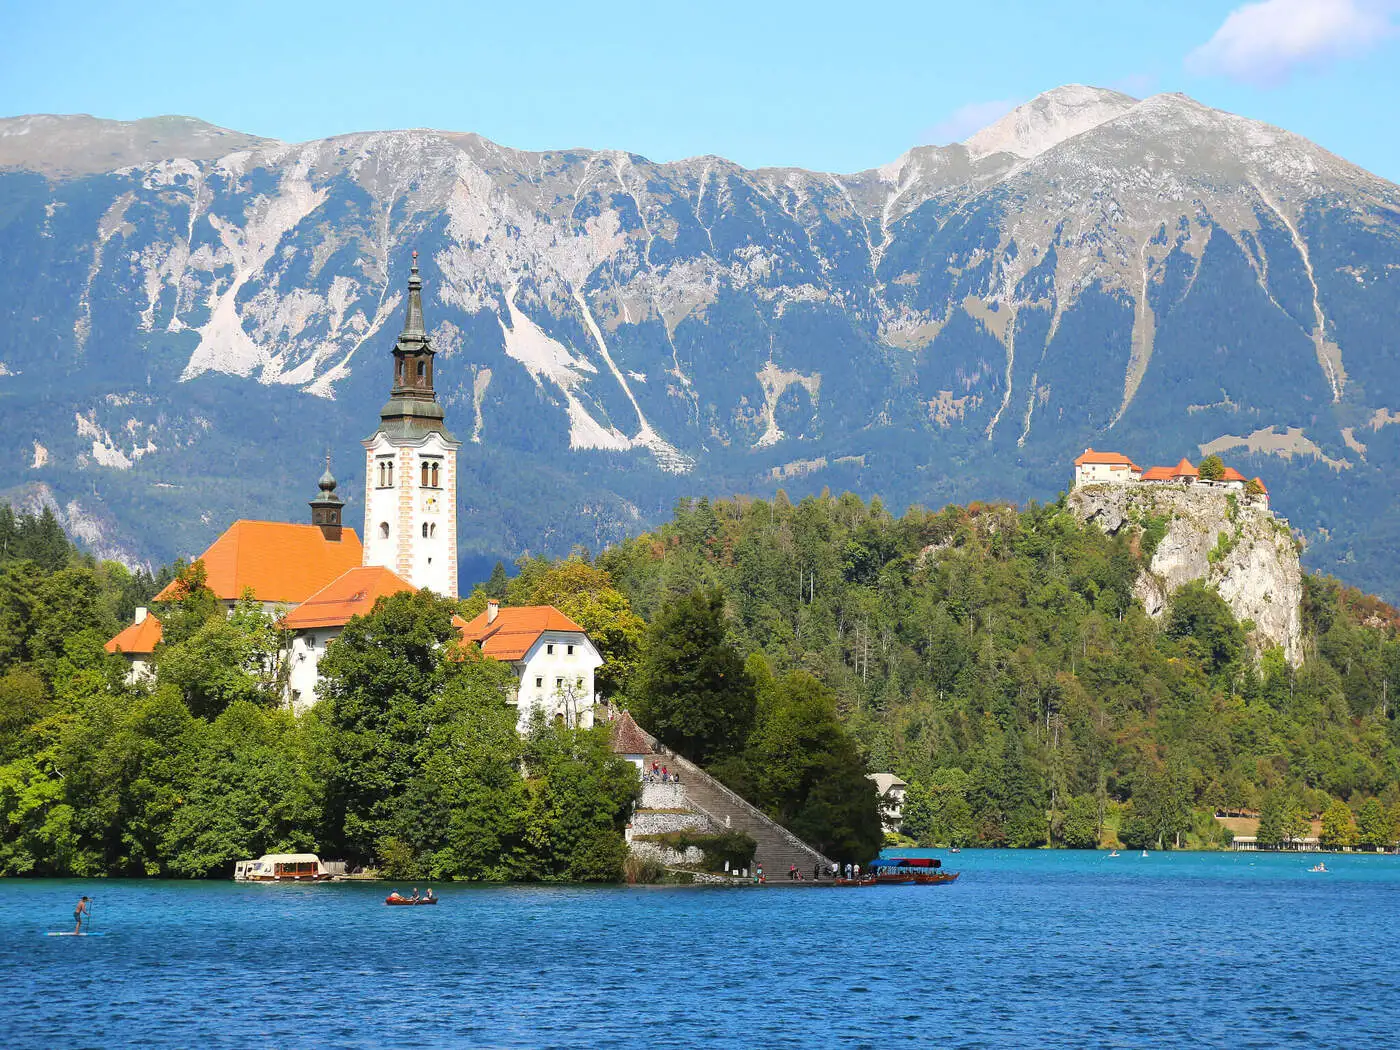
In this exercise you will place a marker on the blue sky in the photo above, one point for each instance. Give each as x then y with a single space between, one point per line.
833 86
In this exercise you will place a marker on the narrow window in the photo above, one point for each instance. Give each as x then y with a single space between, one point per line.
432 529
571 650
425 530
559 684
549 649
435 475
422 372
383 530
425 473
539 681
390 465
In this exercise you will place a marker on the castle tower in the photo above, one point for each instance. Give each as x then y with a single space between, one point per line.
411 467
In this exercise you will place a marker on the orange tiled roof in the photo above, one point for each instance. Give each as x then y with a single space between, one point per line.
1158 474
277 561
1231 474
352 593
140 639
1260 483
1184 469
1112 459
514 630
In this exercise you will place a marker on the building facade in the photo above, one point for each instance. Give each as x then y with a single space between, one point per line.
553 660
411 467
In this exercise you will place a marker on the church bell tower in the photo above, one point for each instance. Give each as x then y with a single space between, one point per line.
411 467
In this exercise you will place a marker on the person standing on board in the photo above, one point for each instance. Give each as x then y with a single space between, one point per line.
84 907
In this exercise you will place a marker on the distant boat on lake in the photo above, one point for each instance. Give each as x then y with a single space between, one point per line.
287 867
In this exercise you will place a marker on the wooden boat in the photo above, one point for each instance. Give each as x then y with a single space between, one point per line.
394 898
936 878
909 871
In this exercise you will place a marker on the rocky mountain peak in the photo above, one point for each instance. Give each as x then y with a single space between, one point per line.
1049 119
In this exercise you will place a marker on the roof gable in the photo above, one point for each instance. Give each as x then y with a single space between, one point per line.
515 630
139 639
1105 458
276 560
352 593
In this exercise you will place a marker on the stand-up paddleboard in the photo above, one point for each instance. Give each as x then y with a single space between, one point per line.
70 933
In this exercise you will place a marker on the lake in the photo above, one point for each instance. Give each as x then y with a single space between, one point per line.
1026 949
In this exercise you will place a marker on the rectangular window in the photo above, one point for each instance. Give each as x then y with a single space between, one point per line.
539 682
559 684
571 650
549 649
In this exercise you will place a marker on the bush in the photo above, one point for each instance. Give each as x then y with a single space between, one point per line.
642 871
397 859
733 846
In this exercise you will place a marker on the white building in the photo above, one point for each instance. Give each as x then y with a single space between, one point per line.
891 791
1095 468
137 643
411 468
553 659
318 621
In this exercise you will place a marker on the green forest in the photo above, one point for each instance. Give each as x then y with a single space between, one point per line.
994 658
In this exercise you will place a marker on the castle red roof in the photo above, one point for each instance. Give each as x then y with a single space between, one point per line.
1111 459
352 593
1260 483
277 561
140 639
1184 469
1158 474
1231 474
515 630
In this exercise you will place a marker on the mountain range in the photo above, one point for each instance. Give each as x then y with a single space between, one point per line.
194 317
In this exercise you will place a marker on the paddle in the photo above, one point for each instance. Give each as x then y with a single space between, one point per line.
87 926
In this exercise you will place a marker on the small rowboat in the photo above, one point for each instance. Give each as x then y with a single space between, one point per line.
394 899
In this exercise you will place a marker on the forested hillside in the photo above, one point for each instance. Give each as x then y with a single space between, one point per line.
996 660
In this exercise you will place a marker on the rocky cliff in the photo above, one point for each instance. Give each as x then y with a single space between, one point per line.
1234 543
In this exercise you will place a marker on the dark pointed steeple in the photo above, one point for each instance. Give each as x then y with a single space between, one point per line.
413 409
327 506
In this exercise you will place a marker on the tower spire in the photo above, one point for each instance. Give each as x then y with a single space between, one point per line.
326 508
413 320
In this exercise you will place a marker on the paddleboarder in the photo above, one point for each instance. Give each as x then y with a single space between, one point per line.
84 908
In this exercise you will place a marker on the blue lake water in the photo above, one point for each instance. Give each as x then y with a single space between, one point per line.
1026 949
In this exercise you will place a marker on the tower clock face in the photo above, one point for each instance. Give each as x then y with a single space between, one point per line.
430 504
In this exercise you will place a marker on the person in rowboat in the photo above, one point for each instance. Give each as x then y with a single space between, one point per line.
84 907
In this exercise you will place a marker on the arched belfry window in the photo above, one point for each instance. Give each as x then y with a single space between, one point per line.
383 530
425 473
435 475
422 371
425 530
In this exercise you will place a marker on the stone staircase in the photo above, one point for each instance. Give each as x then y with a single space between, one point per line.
703 794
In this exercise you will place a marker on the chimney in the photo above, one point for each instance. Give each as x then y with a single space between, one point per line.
140 614
492 608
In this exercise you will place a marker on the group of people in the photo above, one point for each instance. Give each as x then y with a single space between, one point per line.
659 774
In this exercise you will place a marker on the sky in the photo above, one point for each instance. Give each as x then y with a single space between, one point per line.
816 84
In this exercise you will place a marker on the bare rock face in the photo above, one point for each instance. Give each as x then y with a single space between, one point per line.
1232 542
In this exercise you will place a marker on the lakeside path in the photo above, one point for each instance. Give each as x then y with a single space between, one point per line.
1028 948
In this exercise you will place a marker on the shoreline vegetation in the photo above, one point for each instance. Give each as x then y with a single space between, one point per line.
994 658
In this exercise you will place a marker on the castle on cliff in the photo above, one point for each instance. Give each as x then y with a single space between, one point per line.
1114 468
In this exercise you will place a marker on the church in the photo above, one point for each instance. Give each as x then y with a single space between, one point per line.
315 577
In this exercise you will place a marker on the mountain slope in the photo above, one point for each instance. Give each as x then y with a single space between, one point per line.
189 326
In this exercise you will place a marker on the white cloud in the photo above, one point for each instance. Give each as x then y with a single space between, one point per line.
969 119
1262 43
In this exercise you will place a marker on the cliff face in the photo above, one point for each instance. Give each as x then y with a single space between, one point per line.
1235 545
